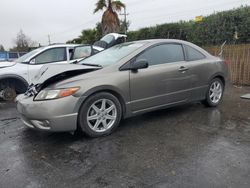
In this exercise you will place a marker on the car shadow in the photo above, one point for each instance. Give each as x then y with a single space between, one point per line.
62 138
162 114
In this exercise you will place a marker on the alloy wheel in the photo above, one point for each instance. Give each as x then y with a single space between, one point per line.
101 115
215 92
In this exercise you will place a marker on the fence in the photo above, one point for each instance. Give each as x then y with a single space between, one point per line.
238 57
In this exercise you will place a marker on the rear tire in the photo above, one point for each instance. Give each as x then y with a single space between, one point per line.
99 115
214 93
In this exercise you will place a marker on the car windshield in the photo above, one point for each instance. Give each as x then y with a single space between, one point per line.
112 55
108 38
27 56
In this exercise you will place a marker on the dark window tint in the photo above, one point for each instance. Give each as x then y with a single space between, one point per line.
51 55
71 53
95 51
13 55
193 54
165 53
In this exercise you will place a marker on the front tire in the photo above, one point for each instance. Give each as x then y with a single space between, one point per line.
214 93
8 94
99 115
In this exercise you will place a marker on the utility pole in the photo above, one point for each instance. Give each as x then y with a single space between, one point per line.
49 39
125 14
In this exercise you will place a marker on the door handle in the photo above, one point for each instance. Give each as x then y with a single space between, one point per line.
183 69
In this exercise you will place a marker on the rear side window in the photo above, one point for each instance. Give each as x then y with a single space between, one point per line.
51 55
193 54
165 53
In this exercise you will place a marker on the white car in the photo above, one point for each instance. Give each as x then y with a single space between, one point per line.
16 76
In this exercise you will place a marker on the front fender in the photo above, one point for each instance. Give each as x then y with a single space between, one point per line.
107 88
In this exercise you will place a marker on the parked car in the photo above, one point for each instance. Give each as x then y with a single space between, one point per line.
10 56
16 76
120 82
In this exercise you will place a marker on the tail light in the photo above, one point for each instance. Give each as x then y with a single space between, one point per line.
226 62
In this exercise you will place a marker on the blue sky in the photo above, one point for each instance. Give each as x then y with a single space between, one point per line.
64 19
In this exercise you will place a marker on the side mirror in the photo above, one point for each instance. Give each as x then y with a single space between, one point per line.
33 61
140 64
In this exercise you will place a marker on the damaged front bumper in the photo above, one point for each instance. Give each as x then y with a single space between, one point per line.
51 115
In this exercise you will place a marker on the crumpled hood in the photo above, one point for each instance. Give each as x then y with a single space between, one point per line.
4 64
49 71
50 74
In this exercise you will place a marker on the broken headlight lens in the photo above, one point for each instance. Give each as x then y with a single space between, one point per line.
55 93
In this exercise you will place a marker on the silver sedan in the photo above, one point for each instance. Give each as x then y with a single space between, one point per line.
125 80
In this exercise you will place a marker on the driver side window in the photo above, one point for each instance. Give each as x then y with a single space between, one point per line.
161 54
51 55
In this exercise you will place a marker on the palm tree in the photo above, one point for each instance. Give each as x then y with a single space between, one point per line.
88 36
110 21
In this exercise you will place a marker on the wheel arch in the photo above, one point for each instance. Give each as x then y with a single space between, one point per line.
220 76
19 82
109 89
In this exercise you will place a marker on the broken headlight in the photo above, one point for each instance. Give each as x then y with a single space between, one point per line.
55 93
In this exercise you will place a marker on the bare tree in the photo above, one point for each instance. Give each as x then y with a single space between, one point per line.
22 42
1 48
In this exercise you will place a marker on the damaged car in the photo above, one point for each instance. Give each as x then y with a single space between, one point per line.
17 75
125 80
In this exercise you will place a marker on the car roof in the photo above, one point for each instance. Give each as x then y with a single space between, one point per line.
61 45
161 40
156 41
43 48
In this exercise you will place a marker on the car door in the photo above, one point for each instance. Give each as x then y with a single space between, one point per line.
49 56
166 80
81 52
200 68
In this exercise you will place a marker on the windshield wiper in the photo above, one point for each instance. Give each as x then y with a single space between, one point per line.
93 65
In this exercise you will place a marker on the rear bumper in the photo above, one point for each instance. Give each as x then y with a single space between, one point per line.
52 115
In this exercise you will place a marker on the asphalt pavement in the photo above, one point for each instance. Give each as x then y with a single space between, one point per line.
185 146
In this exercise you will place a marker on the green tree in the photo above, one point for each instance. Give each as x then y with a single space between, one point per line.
88 36
110 21
232 26
98 31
